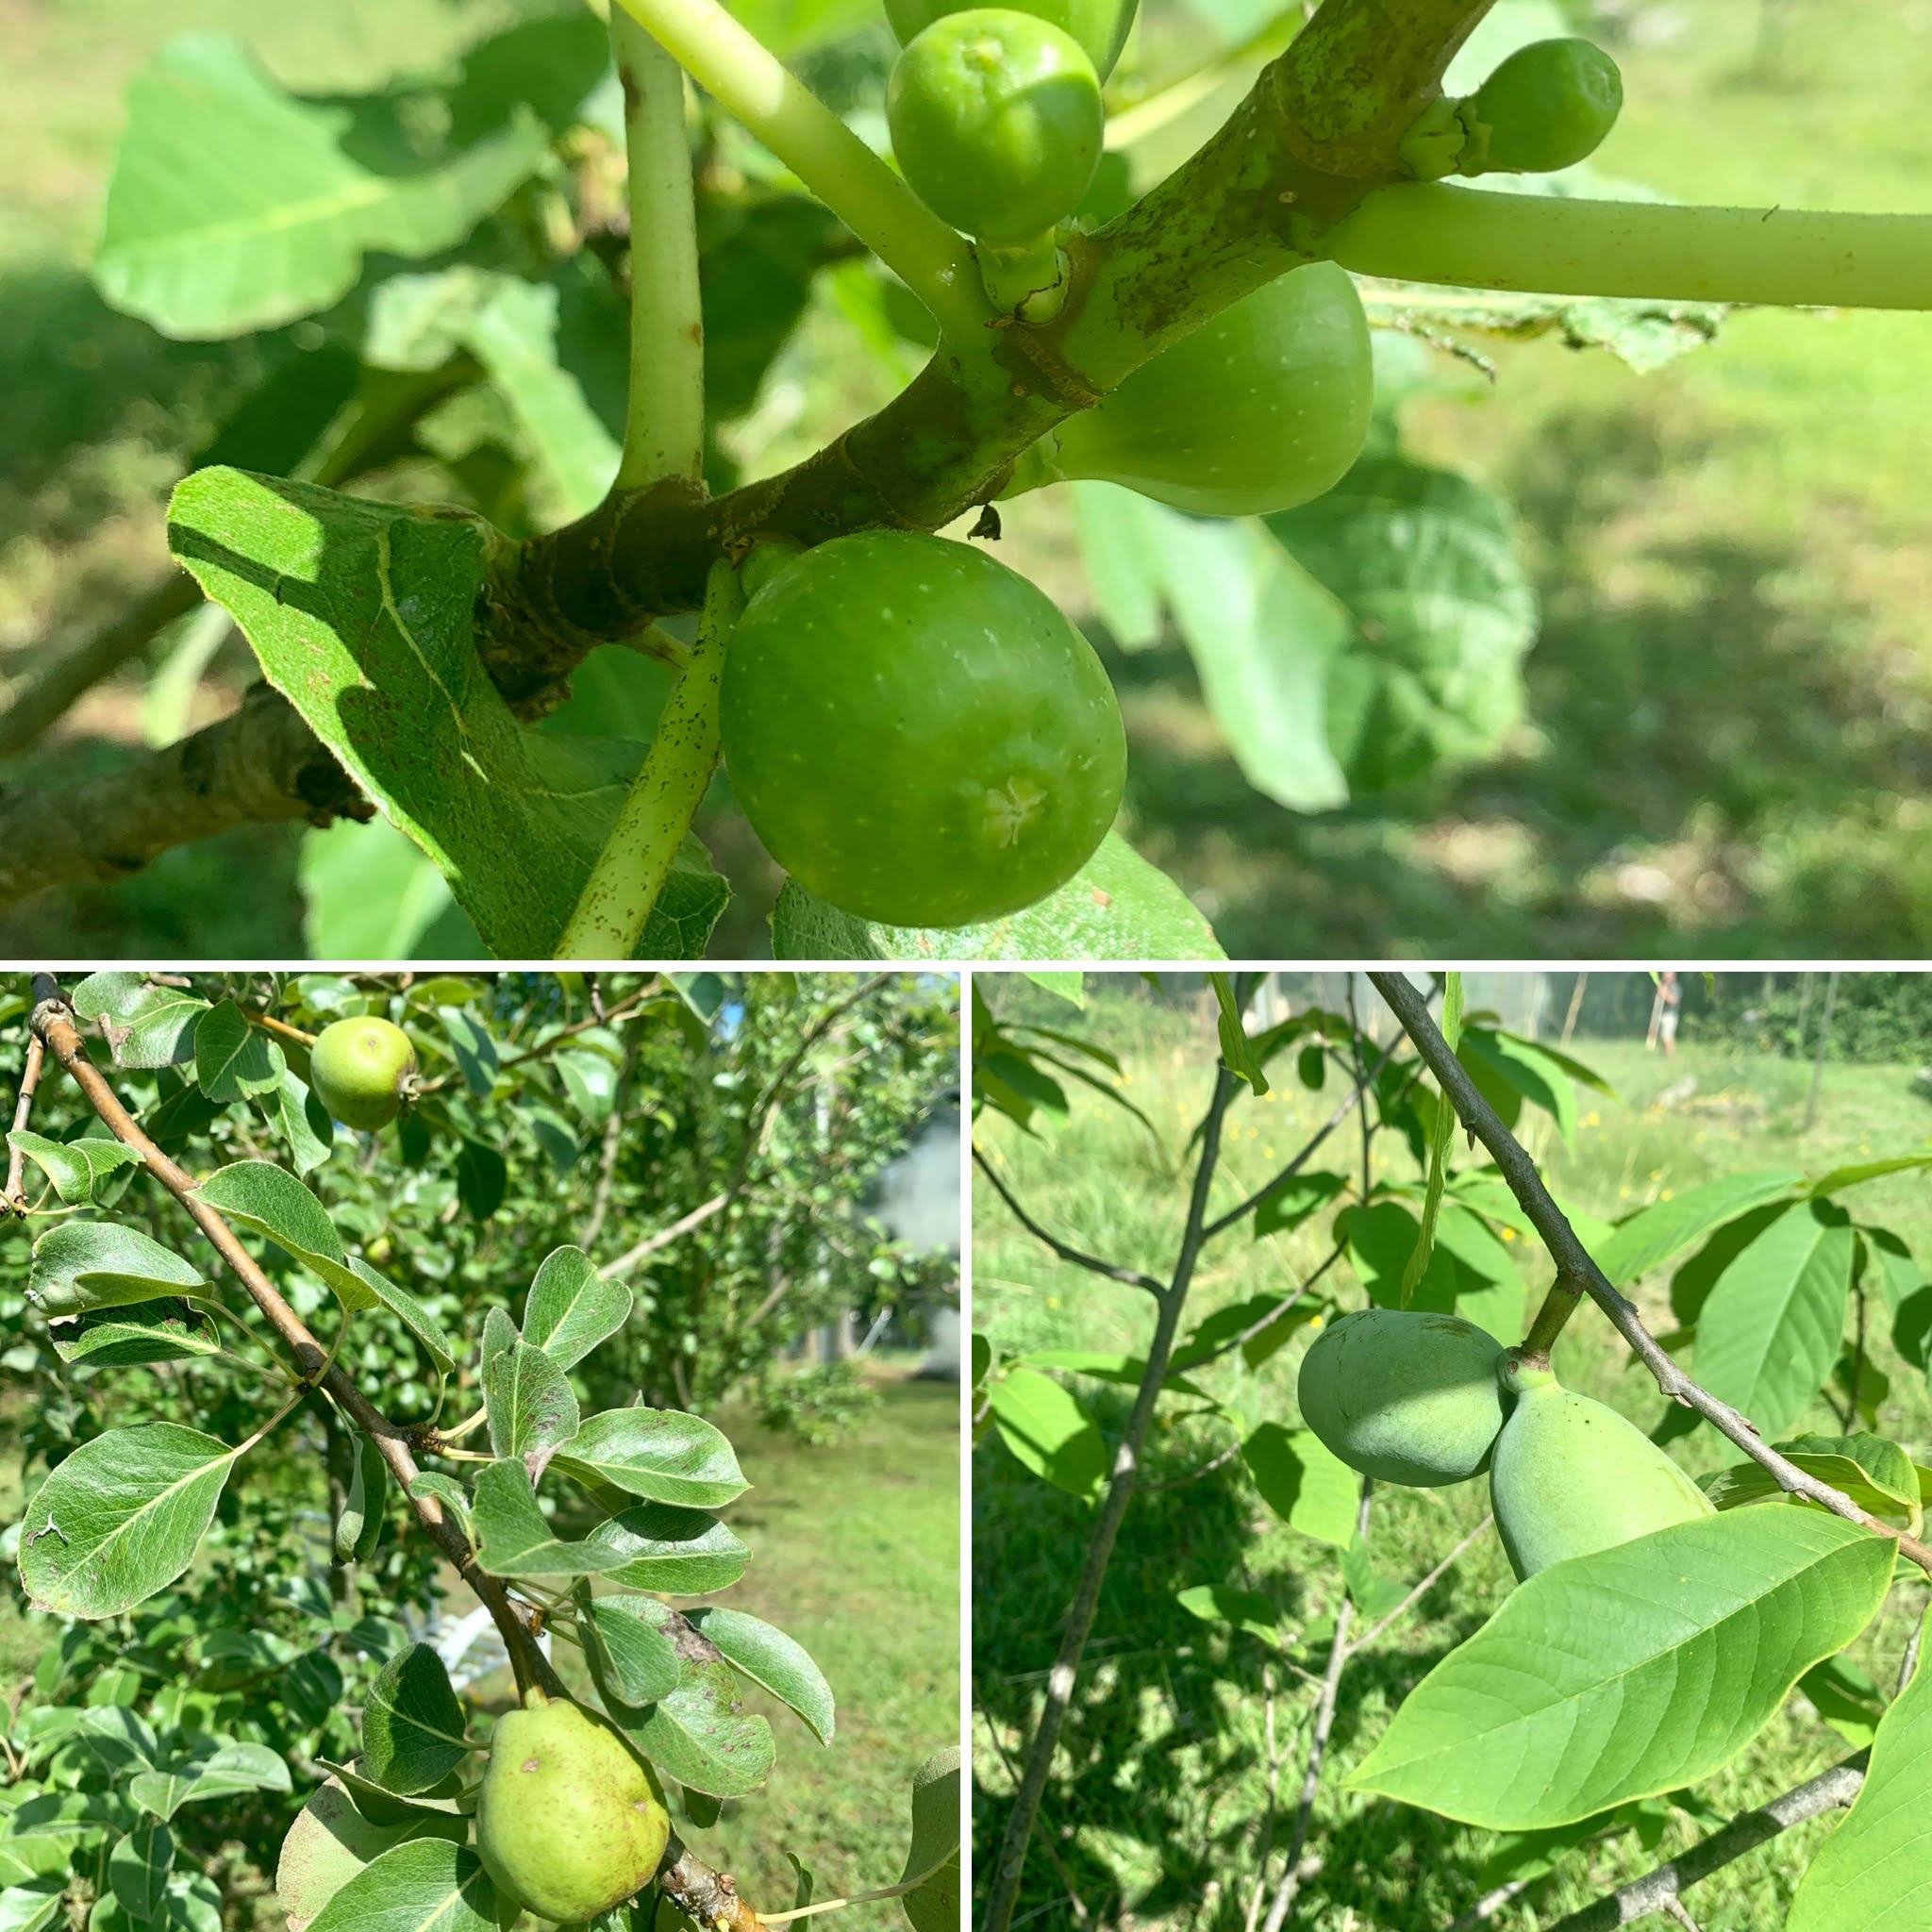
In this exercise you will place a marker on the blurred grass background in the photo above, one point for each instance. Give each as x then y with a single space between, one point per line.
1155 1812
1729 704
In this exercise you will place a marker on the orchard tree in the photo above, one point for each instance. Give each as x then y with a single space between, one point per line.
294 1382
557 295
1658 1622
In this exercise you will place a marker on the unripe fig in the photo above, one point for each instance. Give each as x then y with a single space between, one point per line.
1570 1477
358 1068
1549 105
567 1821
1405 1396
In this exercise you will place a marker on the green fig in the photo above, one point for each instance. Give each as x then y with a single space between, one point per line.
358 1068
1570 1477
1405 1396
567 1819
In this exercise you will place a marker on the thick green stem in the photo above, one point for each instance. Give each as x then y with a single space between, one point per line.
1552 245
631 870
664 416
755 88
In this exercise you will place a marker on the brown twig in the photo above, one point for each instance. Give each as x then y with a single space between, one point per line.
14 1197
1011 1861
1077 1257
1574 1266
1421 1588
1339 1650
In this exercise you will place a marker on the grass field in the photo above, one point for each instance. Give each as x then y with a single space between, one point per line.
855 1553
1159 1803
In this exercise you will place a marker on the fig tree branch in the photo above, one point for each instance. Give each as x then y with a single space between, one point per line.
261 765
1011 1861
1575 1267
1654 1891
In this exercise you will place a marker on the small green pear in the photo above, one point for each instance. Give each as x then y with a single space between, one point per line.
358 1068
1403 1395
567 1821
1570 1477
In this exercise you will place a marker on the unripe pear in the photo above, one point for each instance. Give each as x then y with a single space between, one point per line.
358 1068
567 1821
1570 1477
1403 1395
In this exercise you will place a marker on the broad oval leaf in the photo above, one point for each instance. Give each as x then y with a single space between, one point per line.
1873 1874
219 1772
1049 1432
145 1026
1653 1234
117 1339
696 1735
680 1552
774 1662
632 1650
331 1840
75 1168
513 1540
660 1454
1631 1672
121 1517
532 1408
413 1725
270 1201
409 1312
1304 1482
933 1858
427 1884
138 1865
572 1308
79 1265
233 1059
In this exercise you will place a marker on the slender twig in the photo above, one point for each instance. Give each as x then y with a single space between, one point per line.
1223 1222
23 1111
54 1021
1272 1316
1574 1265
1421 1588
1339 1650
1487 1907
1077 1257
1642 1896
665 1235
1011 1861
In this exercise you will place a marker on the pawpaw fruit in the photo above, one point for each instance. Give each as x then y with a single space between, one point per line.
358 1068
1403 1395
568 1821
1570 1477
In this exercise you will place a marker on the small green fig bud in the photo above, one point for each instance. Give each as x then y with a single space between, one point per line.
358 1068
1570 1477
1403 1395
567 1819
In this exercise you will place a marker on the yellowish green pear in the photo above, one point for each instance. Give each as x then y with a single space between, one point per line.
567 1821
1403 1395
1569 1476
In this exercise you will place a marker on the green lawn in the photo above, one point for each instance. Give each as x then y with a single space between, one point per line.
1155 1814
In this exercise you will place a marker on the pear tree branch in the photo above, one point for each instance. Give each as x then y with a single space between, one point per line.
1577 1271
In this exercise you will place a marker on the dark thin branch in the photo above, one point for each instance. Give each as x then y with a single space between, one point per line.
45 694
1011 1861
260 765
1339 1650
13 1197
1652 1892
1573 1264
1077 1257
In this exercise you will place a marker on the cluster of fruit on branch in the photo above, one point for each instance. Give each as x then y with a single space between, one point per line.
1427 1400
917 733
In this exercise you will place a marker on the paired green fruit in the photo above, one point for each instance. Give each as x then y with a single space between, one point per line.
916 733
1262 409
1569 1476
1405 1396
567 1820
1100 25
996 122
1548 105
358 1068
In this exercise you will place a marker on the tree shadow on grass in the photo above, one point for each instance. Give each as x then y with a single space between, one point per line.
1153 1813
